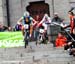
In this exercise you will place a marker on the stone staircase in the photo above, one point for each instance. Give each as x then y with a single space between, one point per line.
40 54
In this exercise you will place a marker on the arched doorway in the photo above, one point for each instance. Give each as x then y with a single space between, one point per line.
38 8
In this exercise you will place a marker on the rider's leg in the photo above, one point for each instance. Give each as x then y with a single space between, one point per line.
26 37
23 33
31 29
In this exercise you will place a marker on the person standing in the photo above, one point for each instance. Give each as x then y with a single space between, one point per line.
72 21
60 40
56 18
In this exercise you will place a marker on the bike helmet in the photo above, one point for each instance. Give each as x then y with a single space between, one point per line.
26 14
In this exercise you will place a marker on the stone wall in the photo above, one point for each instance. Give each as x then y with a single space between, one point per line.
18 7
1 12
59 6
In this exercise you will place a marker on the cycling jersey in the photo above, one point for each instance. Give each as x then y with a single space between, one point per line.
27 21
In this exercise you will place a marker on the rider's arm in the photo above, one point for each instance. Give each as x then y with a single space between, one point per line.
41 22
34 22
49 19
20 20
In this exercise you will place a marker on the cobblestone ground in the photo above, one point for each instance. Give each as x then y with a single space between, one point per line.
40 54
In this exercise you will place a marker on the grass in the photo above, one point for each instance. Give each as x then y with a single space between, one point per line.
11 39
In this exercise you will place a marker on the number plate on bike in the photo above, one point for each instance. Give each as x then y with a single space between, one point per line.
26 26
41 30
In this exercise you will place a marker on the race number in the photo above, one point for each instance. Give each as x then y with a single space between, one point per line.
41 30
26 26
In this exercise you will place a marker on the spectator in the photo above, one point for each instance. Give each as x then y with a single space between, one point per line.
71 43
18 26
72 21
5 28
9 28
36 33
56 18
1 28
60 40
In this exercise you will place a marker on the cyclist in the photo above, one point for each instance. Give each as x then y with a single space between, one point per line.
46 23
27 25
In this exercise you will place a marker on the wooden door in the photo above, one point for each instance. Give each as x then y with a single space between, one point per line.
38 8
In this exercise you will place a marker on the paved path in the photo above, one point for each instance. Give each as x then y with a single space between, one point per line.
40 54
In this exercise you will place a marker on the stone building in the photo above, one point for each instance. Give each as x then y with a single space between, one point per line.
12 10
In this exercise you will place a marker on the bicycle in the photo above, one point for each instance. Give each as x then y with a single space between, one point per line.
41 39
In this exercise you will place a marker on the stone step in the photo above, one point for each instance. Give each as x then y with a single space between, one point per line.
41 47
36 55
40 54
19 52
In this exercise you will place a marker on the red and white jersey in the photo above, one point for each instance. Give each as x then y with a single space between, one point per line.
46 19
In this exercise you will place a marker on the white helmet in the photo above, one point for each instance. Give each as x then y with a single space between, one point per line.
26 13
46 15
